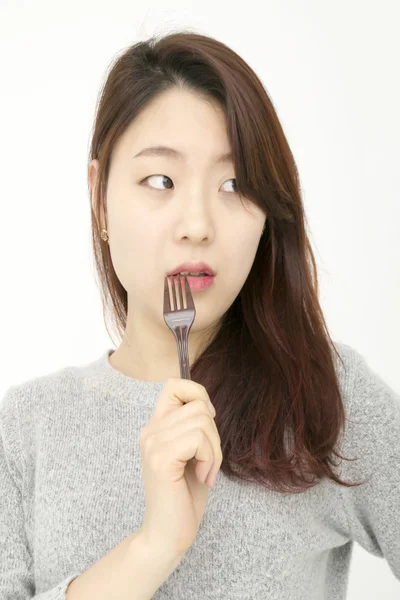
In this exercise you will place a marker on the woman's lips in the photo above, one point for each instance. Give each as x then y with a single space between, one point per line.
191 267
196 283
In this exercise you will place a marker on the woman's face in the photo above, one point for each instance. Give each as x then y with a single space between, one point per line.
170 208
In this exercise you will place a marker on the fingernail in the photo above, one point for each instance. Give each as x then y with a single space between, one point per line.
212 481
212 409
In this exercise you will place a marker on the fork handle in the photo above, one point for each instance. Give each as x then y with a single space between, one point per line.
181 337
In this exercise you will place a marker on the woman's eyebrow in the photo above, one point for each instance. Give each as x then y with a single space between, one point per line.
177 155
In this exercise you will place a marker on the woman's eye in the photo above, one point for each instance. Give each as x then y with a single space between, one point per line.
163 179
233 179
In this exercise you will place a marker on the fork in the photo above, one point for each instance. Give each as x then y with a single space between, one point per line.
180 320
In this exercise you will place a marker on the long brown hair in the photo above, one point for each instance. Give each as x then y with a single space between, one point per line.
270 369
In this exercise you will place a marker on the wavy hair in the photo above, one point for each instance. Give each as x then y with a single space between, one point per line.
270 369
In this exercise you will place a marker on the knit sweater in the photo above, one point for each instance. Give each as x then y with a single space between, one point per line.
71 489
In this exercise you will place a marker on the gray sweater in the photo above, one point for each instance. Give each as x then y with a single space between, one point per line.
71 489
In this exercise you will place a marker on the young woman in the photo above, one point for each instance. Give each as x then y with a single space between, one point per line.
117 478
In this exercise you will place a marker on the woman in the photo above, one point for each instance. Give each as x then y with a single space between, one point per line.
99 494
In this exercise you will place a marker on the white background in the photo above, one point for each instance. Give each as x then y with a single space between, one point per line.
332 72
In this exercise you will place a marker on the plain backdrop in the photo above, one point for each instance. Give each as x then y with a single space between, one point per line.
332 72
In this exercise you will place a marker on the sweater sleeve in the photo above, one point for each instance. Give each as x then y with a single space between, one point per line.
16 563
373 436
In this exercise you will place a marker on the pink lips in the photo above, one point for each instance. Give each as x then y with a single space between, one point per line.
196 284
198 267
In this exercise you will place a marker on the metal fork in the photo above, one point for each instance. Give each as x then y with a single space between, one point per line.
179 320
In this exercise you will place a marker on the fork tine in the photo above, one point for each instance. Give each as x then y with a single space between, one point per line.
189 297
180 292
173 287
167 302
